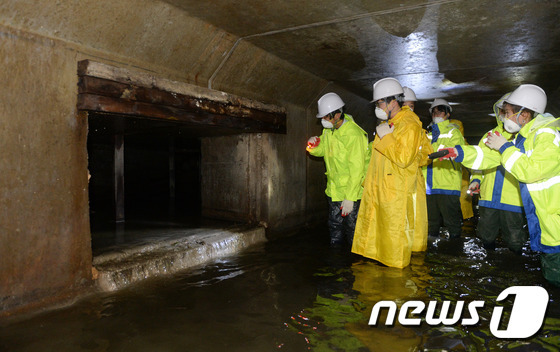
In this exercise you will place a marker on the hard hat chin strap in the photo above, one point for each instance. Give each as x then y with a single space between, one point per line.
387 107
389 113
517 116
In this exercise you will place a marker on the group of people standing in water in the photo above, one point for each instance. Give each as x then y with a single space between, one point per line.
389 196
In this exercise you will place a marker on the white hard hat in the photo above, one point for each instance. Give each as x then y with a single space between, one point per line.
386 87
329 103
529 96
438 102
409 94
500 102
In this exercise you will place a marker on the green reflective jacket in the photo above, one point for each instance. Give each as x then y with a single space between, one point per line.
344 152
444 177
498 188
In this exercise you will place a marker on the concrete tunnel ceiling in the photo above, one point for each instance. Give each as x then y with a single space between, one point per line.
468 51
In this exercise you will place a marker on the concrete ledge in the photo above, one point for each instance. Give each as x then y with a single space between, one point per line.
121 268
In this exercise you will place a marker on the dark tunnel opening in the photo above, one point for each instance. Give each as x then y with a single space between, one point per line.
161 172
162 178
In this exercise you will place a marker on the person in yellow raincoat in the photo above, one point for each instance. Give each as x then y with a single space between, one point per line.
533 158
443 177
392 220
500 205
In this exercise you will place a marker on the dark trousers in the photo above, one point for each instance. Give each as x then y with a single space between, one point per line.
446 209
510 224
342 228
550 265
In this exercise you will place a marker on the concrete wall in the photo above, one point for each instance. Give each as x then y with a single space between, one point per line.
45 250
44 238
297 180
270 178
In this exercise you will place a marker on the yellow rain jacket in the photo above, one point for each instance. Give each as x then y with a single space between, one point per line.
534 160
344 152
498 188
392 221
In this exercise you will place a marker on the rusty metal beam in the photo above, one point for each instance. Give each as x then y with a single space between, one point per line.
99 103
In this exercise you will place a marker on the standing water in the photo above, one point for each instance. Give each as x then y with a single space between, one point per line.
296 294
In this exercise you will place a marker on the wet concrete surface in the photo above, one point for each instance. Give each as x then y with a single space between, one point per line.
295 294
160 252
108 236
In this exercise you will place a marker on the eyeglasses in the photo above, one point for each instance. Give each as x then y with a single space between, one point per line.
377 103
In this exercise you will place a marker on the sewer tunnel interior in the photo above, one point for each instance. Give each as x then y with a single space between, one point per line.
161 180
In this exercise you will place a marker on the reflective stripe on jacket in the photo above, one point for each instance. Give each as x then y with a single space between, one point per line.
498 188
444 177
534 159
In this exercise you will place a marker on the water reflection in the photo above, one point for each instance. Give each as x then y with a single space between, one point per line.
295 294
452 270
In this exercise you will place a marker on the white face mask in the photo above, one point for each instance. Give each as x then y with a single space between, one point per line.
326 124
511 126
381 114
438 119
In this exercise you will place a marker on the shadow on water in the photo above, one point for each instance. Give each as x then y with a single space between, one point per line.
295 294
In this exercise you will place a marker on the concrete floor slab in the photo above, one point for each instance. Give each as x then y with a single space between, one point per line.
171 252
